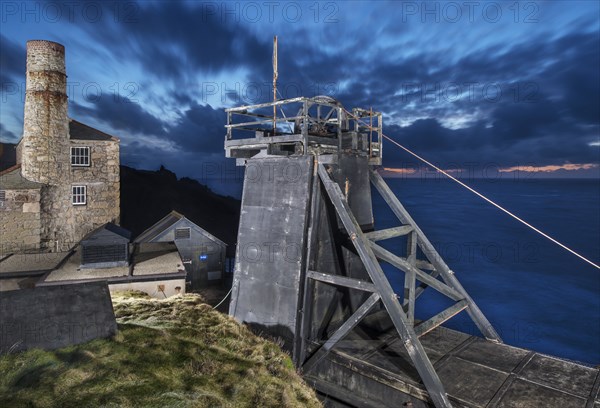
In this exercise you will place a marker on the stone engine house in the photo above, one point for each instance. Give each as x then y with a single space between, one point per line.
66 179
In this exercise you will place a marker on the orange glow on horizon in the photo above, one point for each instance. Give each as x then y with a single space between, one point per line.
399 171
550 168
414 171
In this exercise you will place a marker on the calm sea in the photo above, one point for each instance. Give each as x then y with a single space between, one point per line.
537 295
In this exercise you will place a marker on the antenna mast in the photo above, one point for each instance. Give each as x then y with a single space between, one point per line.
275 74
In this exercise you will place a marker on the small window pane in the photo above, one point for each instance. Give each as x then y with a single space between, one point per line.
79 195
80 156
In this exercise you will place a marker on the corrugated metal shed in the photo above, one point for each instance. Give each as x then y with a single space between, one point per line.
203 254
156 232
106 246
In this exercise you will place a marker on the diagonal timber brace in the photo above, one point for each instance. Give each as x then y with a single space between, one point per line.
348 325
385 292
400 310
385 255
434 257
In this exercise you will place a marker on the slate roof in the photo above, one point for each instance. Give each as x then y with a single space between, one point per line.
159 227
80 131
12 179
165 223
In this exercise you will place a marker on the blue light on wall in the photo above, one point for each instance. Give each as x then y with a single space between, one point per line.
203 257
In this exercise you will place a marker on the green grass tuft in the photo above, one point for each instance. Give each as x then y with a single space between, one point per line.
176 352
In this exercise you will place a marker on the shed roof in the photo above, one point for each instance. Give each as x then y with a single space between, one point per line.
12 179
80 131
107 232
167 222
163 264
33 263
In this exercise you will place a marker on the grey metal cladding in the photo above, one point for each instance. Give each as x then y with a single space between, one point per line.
270 240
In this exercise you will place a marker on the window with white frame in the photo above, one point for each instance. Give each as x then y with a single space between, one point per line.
80 156
79 195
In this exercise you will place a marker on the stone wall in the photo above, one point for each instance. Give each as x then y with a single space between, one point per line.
158 289
19 150
102 179
20 221
58 232
64 224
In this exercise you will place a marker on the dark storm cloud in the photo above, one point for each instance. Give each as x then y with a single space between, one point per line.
479 145
200 129
520 121
535 98
173 39
544 108
121 114
12 60
577 75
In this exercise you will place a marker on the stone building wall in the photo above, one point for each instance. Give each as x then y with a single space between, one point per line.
64 224
20 221
51 221
57 232
19 150
102 179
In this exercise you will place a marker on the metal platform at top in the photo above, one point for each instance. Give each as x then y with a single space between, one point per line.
302 126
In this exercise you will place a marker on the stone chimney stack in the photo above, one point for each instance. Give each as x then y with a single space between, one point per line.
45 144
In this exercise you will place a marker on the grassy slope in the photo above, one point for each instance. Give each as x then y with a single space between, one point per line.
175 352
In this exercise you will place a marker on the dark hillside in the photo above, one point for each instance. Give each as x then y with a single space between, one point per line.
147 196
8 155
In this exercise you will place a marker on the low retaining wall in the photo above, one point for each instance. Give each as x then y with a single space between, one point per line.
55 316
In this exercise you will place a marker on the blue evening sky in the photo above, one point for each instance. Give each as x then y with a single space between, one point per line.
464 83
